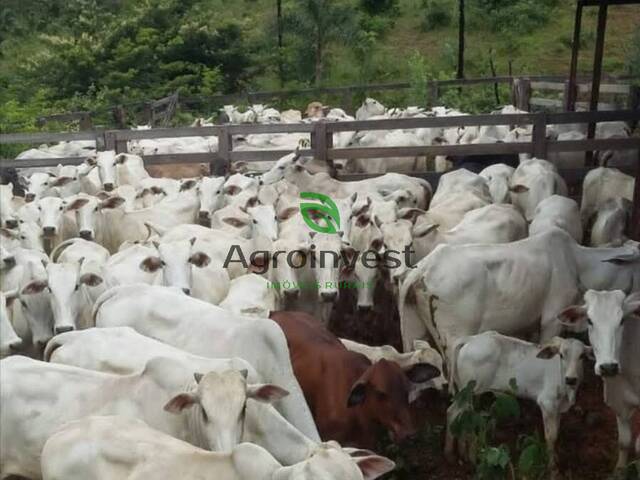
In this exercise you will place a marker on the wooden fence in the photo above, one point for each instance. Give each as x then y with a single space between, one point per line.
321 135
159 112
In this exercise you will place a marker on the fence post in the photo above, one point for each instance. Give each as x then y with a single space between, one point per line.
568 99
147 114
119 116
633 102
539 137
433 92
321 141
85 121
109 140
521 93
221 162
635 217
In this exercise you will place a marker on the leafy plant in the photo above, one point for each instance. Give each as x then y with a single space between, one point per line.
437 14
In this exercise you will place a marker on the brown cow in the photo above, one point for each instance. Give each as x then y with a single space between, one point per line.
349 397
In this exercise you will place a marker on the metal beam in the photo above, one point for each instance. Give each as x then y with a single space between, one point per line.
597 71
573 72
597 3
635 217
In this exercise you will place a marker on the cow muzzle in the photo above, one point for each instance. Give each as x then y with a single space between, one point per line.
15 345
29 197
571 381
49 231
86 235
329 296
63 329
108 187
9 262
609 369
11 223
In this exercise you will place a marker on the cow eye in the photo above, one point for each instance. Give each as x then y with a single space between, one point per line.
589 322
95 209
204 415
255 221
46 183
217 192
281 167
77 287
61 207
622 321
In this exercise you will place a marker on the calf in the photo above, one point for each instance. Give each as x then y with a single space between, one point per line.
114 444
38 398
10 342
348 395
612 320
548 375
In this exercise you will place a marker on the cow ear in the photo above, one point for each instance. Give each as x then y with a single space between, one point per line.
200 259
424 230
151 264
374 466
180 402
588 354
287 213
187 184
198 376
357 394
548 351
91 161
61 181
235 222
574 317
91 279
111 202
121 158
631 305
77 204
363 220
422 372
410 213
376 244
34 287
11 296
421 345
518 189
266 393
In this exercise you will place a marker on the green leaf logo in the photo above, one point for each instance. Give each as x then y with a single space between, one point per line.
325 212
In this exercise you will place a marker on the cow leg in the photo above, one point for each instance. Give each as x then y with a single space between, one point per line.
551 420
625 437
450 441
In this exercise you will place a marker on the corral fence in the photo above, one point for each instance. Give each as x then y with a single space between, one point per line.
159 112
321 144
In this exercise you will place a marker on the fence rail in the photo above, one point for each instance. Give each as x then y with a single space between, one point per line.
159 112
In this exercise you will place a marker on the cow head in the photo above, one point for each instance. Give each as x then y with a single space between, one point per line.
382 392
366 238
34 300
65 281
279 170
175 260
329 460
51 211
211 198
219 401
328 254
38 184
603 315
571 353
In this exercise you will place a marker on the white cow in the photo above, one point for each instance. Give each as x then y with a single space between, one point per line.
209 413
251 295
498 177
533 181
177 319
612 320
9 206
550 375
123 351
10 342
460 181
114 444
514 288
491 224
557 211
57 219
211 197
370 108
118 169
610 222
602 184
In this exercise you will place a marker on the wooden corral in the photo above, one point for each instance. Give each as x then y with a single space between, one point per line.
322 142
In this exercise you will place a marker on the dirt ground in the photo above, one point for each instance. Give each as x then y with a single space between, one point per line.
587 445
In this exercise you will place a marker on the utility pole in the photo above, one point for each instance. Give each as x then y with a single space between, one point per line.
460 73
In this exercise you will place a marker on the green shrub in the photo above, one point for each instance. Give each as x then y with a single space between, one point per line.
437 14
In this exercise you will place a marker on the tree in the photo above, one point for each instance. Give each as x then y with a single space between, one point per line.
318 23
460 73
280 52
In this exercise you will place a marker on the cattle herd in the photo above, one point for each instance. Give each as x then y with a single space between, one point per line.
167 328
